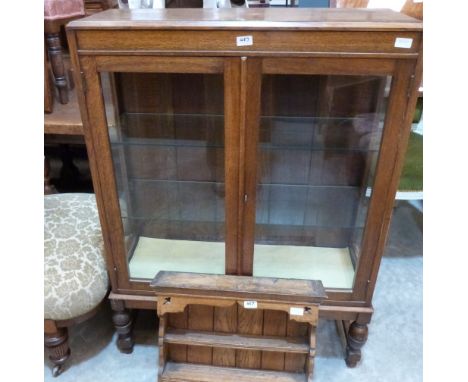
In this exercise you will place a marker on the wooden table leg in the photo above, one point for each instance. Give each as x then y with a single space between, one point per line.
54 49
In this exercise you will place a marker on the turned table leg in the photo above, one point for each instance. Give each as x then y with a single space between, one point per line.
356 338
123 322
56 342
54 49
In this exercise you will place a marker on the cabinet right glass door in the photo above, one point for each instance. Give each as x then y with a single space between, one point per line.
318 144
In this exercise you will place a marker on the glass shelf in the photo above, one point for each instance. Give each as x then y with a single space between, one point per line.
276 132
307 207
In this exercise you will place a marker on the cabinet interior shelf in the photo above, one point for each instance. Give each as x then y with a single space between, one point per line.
220 223
220 184
181 144
331 265
205 131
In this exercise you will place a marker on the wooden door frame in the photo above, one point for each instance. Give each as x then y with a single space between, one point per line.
95 128
390 159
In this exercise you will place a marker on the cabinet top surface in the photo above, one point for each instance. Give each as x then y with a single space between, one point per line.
254 18
238 286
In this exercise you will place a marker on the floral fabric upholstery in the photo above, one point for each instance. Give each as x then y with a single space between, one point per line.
75 276
63 9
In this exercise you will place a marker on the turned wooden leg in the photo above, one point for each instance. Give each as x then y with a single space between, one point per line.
356 338
56 343
48 187
54 49
123 322
311 356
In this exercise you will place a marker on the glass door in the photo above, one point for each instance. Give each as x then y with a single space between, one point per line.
317 145
168 145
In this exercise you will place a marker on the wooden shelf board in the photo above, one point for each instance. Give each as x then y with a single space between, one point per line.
332 266
64 119
236 341
204 373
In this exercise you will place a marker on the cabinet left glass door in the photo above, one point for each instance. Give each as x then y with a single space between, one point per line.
167 140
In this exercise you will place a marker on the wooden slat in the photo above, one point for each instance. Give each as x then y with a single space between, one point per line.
235 341
231 161
252 100
295 362
250 321
178 353
160 64
225 320
328 66
202 373
242 287
274 324
200 317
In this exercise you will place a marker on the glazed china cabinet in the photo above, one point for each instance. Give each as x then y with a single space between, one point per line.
264 142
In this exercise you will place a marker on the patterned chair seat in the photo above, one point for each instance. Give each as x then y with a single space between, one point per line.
75 276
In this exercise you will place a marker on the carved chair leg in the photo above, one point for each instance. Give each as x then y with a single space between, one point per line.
54 49
123 323
357 337
57 345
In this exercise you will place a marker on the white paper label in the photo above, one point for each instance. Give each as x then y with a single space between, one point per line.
250 304
244 40
417 1
296 311
401 42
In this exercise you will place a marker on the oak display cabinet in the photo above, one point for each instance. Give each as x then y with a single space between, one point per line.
264 142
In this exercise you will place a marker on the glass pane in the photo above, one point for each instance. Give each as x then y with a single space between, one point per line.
318 146
167 140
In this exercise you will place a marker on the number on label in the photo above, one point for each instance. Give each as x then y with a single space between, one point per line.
250 304
244 40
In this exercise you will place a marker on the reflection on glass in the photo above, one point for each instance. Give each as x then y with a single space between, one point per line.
318 145
167 142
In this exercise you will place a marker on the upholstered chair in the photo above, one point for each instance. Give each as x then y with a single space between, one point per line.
75 275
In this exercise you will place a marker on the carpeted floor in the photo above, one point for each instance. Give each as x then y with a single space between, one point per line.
393 351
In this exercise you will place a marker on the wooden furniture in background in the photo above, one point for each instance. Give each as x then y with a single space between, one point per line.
298 300
48 92
95 6
271 155
66 118
58 13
